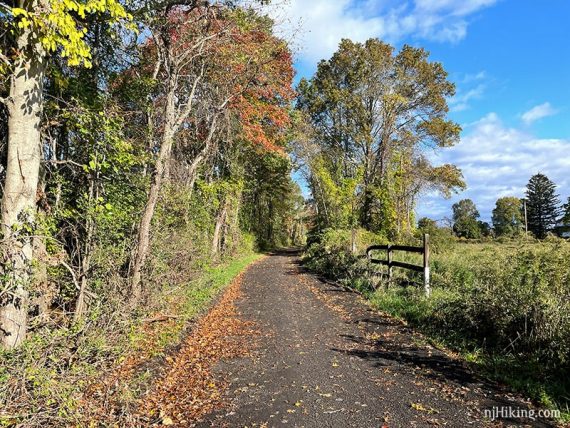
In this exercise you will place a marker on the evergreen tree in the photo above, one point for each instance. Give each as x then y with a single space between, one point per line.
542 205
566 212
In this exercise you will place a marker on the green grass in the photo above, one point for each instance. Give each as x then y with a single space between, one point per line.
550 388
54 366
199 294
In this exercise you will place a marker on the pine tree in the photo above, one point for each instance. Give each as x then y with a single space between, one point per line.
566 212
542 205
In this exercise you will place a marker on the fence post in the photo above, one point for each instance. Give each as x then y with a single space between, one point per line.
426 264
389 263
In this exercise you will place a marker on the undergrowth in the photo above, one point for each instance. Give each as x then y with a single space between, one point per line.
69 375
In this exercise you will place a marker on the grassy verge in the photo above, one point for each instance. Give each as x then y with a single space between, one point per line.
98 369
185 303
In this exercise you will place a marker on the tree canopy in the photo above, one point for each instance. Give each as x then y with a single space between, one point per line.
465 215
373 113
508 216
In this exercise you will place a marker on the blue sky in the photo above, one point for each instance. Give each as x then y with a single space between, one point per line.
510 60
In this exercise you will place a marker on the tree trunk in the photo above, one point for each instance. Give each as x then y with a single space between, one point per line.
220 220
19 200
85 262
173 122
143 236
42 299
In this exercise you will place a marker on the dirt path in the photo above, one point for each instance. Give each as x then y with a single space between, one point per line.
324 359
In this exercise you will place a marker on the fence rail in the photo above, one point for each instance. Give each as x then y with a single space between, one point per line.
390 262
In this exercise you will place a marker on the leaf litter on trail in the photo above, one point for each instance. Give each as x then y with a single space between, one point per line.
188 388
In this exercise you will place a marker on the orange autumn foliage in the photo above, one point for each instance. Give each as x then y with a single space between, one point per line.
246 66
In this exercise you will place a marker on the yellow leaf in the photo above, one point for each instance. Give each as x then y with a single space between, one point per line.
16 11
419 407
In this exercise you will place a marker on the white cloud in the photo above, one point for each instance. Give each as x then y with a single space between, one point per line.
498 161
474 77
538 112
317 26
461 100
470 86
453 7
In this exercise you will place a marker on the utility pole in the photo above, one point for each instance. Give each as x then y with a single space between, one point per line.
525 218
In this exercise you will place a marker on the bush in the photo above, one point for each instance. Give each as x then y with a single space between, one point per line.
330 255
510 303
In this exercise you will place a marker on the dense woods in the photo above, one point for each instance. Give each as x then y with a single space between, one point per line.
140 143
200 100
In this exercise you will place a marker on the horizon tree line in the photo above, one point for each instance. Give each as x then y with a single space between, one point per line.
539 213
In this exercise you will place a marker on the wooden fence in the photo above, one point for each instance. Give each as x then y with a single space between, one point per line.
391 263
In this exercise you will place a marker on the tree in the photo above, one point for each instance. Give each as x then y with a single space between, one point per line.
373 113
37 30
427 225
542 205
272 201
484 228
508 216
566 212
465 217
209 67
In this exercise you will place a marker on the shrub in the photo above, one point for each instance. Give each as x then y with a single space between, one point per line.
331 255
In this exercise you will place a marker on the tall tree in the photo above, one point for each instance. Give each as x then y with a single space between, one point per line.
508 216
374 112
207 62
566 212
465 215
542 205
36 30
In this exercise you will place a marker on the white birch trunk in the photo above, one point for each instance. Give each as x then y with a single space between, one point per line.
220 221
19 199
